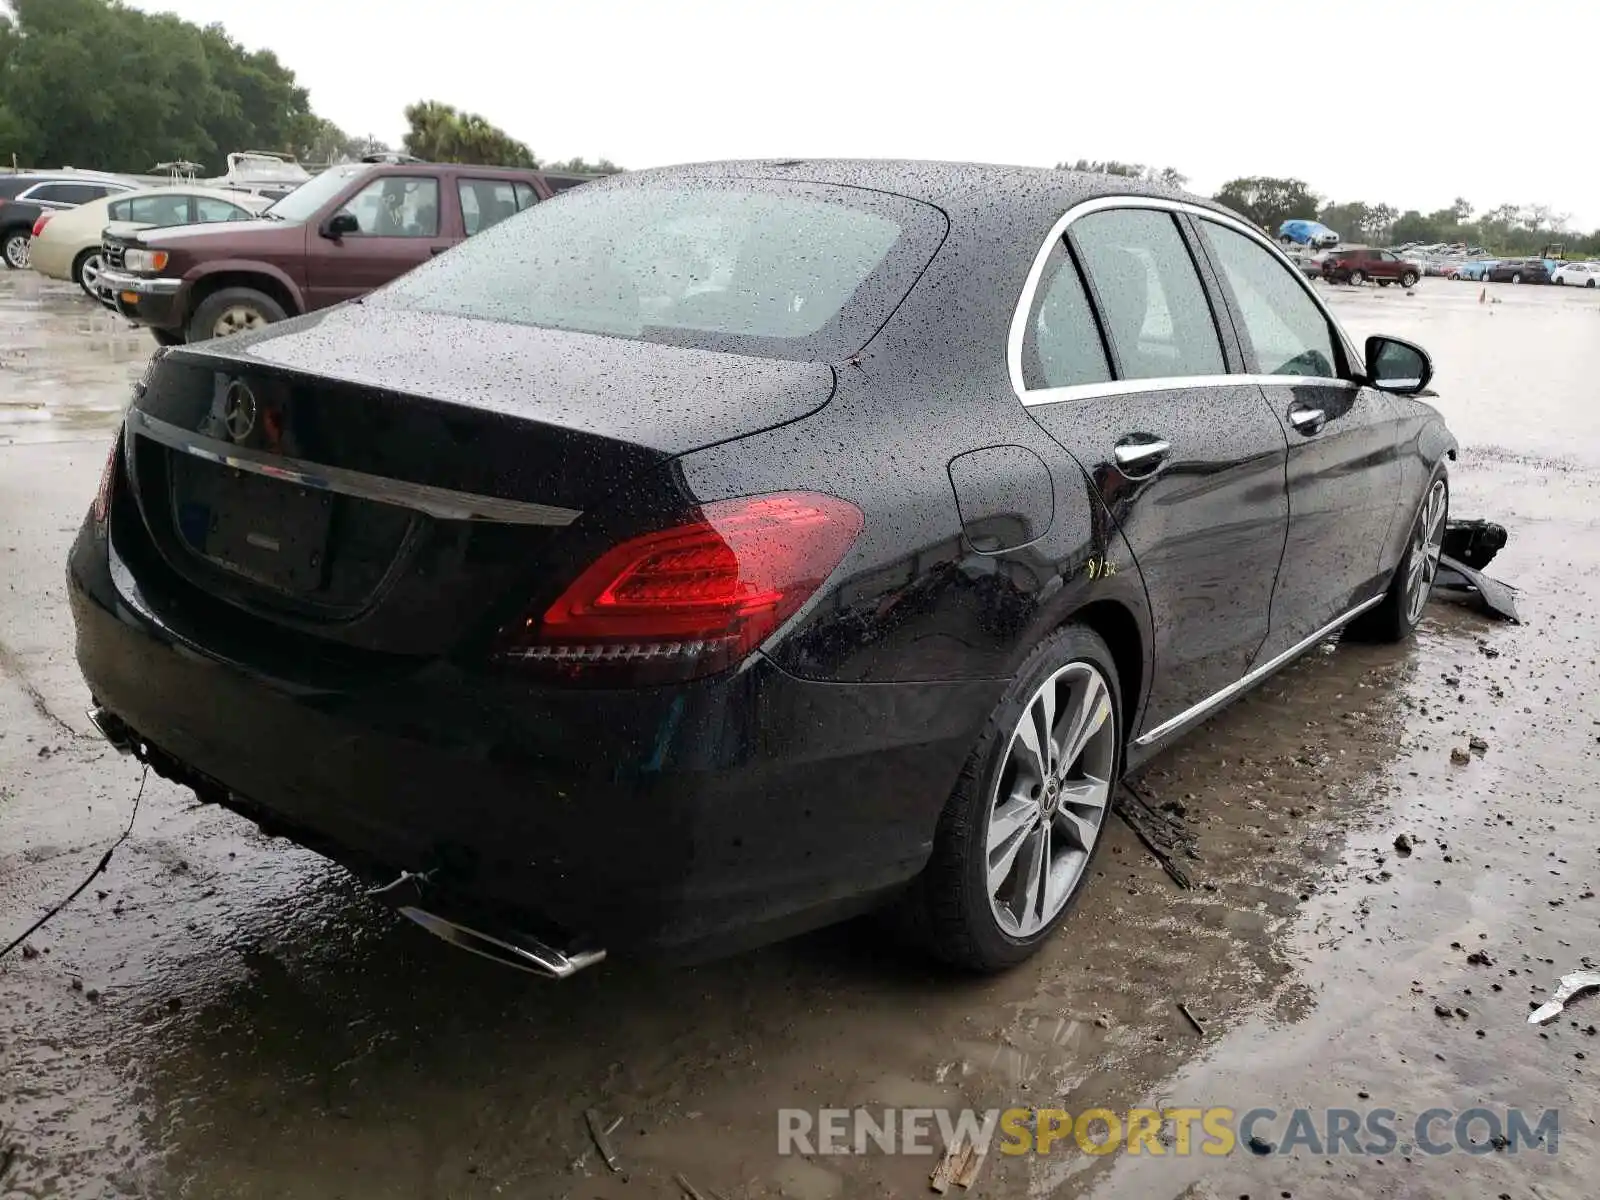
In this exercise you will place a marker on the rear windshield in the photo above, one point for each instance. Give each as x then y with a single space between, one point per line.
790 270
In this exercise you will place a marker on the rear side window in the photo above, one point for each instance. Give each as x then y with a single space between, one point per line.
159 210
1285 332
793 270
1156 313
486 202
119 211
1062 345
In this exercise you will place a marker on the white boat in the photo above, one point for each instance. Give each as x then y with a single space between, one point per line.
261 172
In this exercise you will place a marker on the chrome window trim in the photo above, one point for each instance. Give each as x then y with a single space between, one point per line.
1244 682
1118 387
444 503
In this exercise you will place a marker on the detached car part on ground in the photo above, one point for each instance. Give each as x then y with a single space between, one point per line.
346 231
723 551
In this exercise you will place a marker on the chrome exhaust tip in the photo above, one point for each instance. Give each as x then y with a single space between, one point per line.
113 729
510 948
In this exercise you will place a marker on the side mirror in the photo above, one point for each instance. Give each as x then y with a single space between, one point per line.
339 224
1396 366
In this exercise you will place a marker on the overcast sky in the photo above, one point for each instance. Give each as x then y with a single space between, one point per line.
1413 102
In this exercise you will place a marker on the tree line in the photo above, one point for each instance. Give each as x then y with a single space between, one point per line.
96 84
1267 201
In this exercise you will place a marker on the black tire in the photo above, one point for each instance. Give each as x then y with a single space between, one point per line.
78 265
1389 620
1408 280
14 244
1357 278
1383 282
1588 283
950 901
1516 278
167 337
203 324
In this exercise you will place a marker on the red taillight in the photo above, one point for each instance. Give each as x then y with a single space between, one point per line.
694 598
108 474
38 226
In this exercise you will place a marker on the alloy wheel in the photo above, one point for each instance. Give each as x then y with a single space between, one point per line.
89 274
1357 278
1427 544
17 251
236 319
1050 799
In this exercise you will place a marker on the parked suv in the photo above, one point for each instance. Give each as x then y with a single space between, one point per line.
1520 270
1357 264
351 229
25 198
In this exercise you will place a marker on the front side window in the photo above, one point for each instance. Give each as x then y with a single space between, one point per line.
1062 346
1155 309
397 206
209 208
1285 332
119 211
803 271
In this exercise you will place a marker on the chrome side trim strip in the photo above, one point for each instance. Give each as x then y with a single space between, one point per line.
443 503
1244 683
1019 318
1128 387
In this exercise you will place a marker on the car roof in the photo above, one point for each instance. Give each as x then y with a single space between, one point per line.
946 185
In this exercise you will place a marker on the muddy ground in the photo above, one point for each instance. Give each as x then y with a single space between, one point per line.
222 1015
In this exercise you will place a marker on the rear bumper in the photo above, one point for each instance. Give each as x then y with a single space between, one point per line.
694 819
157 302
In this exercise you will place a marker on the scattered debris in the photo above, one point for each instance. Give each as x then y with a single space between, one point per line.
1402 845
688 1189
1481 745
1152 826
1480 959
959 1166
1443 1012
1193 1020
601 1132
1103 1020
28 951
1571 985
1459 756
1260 1145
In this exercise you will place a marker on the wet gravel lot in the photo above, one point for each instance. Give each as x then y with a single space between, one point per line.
223 1015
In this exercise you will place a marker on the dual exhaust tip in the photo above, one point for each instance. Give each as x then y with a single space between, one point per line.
510 948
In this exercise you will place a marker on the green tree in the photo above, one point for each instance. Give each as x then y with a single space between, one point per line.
1170 176
580 166
440 133
1268 201
93 83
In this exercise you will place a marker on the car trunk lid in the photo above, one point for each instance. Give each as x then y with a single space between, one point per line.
385 480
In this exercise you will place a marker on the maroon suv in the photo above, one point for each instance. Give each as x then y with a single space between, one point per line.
1357 264
349 230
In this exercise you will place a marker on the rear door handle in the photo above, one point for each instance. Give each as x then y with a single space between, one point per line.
1308 420
1141 456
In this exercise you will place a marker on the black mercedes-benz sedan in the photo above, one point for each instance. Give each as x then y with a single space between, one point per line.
710 553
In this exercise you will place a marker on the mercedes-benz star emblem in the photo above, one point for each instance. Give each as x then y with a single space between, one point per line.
239 411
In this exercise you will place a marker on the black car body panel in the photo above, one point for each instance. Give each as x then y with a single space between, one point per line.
378 725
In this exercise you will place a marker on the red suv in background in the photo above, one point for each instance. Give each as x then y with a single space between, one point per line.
352 228
1357 264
